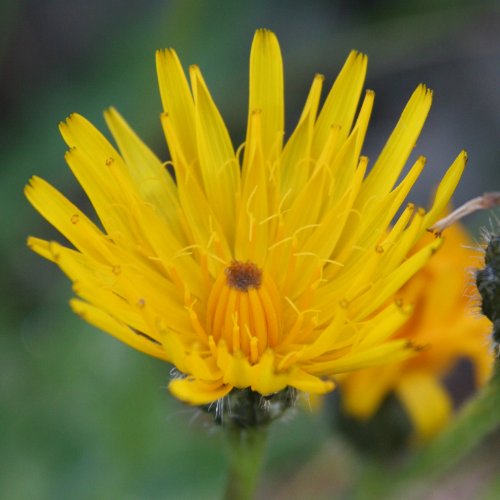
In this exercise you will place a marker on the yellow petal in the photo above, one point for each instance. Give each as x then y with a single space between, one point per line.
252 230
402 246
200 365
141 293
41 247
150 175
296 160
305 382
426 402
362 120
373 384
122 332
92 159
205 227
266 91
385 324
399 146
395 280
179 106
265 380
219 167
389 352
446 188
69 220
198 392
342 101
236 369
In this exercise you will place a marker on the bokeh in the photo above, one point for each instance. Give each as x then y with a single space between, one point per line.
81 415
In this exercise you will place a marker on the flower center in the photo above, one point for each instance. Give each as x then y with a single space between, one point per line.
243 275
244 310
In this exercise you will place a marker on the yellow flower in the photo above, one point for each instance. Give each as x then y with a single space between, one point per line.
449 331
265 267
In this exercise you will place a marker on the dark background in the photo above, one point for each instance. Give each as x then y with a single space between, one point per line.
84 417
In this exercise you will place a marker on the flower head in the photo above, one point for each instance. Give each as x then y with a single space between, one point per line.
448 331
267 267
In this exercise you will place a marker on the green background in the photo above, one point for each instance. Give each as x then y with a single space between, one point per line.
84 417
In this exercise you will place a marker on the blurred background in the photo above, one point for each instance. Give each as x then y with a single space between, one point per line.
81 415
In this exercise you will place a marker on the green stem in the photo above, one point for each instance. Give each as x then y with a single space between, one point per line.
246 453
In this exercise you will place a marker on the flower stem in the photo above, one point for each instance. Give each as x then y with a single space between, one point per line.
246 452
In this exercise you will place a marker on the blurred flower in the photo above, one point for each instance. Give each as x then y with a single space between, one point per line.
265 268
448 330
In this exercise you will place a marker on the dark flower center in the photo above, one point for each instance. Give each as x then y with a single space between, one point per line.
243 275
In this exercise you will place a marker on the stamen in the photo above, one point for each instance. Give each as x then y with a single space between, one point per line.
236 332
195 322
254 350
244 310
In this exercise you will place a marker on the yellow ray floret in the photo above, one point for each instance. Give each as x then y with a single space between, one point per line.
446 328
264 267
